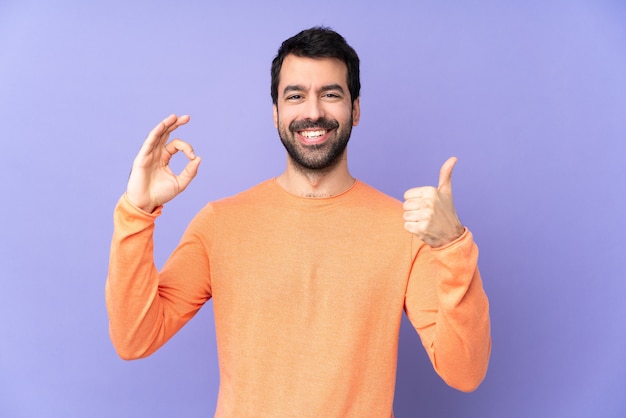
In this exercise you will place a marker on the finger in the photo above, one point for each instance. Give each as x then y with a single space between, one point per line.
419 192
414 228
157 132
168 125
418 204
176 145
418 215
188 173
155 136
179 121
445 175
158 136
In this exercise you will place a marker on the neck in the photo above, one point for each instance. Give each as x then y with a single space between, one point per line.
316 183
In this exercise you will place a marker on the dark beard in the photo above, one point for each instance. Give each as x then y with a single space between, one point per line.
318 157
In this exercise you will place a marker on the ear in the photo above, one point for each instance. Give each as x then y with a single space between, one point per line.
275 115
356 111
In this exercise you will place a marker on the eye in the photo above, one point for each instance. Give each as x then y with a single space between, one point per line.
294 97
330 95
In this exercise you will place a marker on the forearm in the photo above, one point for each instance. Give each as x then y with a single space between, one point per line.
132 295
461 345
453 316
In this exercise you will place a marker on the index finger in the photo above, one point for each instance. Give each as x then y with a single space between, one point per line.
176 145
418 192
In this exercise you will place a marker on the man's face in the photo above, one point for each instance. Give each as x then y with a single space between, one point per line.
314 113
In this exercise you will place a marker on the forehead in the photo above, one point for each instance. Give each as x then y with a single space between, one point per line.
311 72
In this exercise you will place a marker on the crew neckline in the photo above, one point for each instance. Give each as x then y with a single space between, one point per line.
353 186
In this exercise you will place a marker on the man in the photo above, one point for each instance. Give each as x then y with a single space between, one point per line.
309 272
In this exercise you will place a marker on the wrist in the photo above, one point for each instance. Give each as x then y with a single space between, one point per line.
148 209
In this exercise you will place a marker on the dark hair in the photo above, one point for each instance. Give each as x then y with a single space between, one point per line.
318 42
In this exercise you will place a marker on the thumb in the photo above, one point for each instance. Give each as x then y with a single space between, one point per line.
188 173
445 175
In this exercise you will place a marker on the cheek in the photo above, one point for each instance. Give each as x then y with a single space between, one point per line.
282 118
345 115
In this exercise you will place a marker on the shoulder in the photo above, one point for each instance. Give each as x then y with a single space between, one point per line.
375 198
374 207
227 212
245 199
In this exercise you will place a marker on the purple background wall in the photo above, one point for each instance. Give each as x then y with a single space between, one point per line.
531 96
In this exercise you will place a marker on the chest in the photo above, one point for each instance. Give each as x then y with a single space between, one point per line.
312 263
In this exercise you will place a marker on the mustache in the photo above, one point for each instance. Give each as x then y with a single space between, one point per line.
321 123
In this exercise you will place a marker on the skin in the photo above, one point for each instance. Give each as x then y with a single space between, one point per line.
309 90
429 212
151 182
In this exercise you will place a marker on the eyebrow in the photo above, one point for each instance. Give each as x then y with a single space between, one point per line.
299 87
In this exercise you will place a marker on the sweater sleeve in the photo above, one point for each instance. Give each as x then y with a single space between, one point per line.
448 307
146 308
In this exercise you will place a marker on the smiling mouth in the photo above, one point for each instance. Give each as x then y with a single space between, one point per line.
313 134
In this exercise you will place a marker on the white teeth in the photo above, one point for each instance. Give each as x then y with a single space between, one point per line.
312 134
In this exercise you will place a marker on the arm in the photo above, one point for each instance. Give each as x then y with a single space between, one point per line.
445 299
142 314
448 307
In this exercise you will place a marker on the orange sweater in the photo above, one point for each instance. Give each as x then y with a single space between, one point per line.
308 295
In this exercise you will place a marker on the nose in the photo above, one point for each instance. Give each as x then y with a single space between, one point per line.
313 109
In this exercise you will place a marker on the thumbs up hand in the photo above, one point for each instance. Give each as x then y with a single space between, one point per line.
429 212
